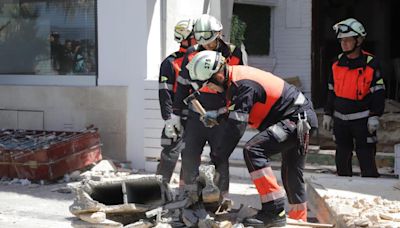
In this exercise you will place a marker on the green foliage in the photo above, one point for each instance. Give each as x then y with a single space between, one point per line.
238 29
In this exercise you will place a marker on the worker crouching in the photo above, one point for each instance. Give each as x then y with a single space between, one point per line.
284 118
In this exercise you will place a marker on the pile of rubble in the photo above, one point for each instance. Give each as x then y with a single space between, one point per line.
110 199
365 212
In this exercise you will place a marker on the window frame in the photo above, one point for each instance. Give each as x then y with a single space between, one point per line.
56 79
269 3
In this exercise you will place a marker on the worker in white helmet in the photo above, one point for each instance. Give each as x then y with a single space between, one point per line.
356 99
207 31
169 71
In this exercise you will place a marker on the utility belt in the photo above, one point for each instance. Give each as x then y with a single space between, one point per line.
219 111
351 116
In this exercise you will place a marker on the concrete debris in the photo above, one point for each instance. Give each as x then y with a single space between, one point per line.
125 199
104 166
96 217
225 224
192 215
105 224
163 225
390 216
225 206
210 192
146 201
365 212
362 222
83 203
140 224
238 225
70 177
23 182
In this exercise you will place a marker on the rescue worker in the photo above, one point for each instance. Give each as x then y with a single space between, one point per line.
169 71
207 32
356 99
284 118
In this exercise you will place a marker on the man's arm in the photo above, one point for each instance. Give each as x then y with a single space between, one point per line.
235 126
166 82
377 89
183 87
331 96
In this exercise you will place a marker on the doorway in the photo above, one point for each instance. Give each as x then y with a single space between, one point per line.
379 19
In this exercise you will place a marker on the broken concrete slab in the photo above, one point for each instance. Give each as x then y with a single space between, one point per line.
95 217
104 166
123 199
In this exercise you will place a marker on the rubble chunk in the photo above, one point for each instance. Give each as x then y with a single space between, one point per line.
95 217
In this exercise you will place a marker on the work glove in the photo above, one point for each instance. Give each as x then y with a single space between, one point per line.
209 119
373 124
173 127
327 123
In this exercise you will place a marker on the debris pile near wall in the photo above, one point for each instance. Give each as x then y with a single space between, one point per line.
364 212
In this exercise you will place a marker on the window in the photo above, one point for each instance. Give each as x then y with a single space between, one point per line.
48 38
257 34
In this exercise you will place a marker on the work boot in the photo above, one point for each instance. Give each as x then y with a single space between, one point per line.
267 219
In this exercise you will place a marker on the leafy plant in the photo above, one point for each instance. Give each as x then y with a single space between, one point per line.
238 28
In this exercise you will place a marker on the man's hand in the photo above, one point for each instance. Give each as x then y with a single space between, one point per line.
373 124
173 127
327 122
209 119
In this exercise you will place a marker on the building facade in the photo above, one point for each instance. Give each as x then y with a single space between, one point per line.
126 42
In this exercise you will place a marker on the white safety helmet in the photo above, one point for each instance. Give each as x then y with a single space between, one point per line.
349 28
206 29
204 65
182 30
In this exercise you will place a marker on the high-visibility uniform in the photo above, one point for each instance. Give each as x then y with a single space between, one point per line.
355 91
169 71
266 102
196 134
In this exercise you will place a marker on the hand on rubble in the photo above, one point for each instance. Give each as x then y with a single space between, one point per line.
209 119
172 127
